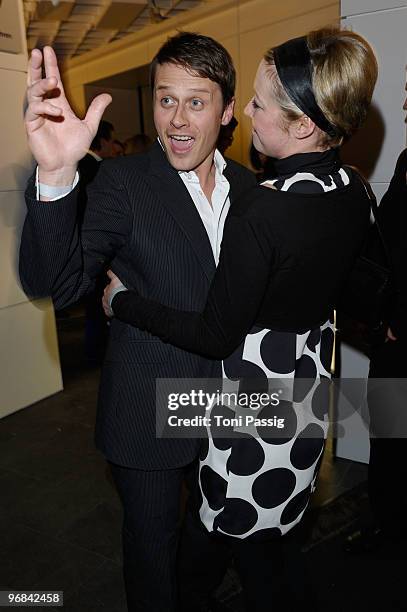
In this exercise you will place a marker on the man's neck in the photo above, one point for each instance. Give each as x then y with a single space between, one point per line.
207 181
206 174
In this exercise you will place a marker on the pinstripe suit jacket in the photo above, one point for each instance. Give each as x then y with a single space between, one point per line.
141 221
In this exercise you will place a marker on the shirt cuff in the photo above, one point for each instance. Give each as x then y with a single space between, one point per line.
114 292
54 192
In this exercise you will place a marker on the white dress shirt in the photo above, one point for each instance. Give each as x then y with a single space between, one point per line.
213 214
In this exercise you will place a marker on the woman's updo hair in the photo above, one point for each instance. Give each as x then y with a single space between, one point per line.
344 73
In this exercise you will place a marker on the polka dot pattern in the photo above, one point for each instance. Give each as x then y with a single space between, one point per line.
296 506
273 533
307 447
314 339
327 343
238 517
213 487
221 436
272 435
258 485
277 350
273 487
248 457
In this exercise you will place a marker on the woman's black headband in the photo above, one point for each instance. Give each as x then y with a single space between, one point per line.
294 68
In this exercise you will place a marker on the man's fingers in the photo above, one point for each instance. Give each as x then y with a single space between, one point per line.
96 110
39 89
110 274
51 66
37 109
34 72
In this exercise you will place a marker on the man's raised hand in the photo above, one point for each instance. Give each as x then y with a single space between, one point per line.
58 139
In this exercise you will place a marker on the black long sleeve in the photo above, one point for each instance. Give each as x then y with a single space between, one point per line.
393 221
233 302
284 257
60 258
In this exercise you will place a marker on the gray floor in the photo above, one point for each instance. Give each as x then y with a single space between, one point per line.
59 514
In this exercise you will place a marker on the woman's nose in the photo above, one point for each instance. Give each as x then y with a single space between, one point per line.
248 110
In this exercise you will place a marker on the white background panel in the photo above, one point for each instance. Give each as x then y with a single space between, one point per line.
14 61
354 7
12 39
376 147
12 212
353 443
29 366
11 61
29 360
15 160
379 190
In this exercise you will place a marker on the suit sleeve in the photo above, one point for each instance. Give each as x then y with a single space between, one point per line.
234 299
61 257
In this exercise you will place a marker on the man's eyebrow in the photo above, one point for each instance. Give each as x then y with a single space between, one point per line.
192 89
201 90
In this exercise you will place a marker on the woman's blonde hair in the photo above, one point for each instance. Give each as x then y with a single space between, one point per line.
344 74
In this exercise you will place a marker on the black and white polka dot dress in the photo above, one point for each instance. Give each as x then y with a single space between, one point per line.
259 485
286 253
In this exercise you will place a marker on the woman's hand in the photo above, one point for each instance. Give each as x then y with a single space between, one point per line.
107 294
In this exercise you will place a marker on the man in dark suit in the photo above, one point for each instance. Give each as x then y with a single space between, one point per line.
157 220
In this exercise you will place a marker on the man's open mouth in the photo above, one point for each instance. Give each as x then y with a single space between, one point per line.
181 143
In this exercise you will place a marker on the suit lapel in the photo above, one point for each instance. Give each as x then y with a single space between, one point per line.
231 175
167 184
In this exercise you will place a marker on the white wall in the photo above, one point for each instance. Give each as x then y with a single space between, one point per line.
29 362
376 148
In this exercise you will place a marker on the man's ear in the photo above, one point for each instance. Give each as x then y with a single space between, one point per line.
228 112
303 127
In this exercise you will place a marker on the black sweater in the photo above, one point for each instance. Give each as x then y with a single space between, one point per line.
392 217
284 259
